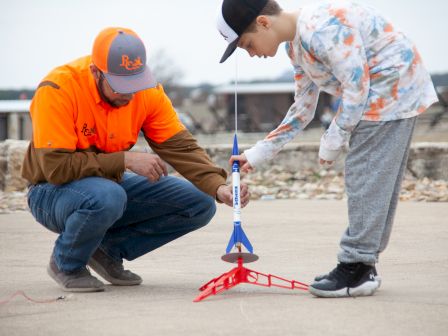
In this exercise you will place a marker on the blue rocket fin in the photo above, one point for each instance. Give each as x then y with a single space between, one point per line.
238 236
245 241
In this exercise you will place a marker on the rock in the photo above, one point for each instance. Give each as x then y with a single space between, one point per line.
12 202
12 153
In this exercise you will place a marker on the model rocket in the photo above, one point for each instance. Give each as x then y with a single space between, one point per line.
238 236
241 274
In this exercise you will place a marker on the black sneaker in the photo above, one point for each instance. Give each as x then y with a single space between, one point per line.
354 279
375 273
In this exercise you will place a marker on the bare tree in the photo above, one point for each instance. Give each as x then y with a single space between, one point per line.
167 73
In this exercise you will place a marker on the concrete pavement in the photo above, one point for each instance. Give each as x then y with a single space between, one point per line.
294 239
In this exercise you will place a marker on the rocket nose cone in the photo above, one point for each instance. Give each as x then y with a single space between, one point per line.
235 150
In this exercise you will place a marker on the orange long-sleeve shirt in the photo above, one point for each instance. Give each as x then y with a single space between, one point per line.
76 134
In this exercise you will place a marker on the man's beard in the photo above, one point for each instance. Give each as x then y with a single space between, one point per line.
107 100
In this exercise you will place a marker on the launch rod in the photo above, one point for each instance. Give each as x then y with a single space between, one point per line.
236 92
236 164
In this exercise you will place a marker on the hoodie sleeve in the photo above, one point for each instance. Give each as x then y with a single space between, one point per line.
297 118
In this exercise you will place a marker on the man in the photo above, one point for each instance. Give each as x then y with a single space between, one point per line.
86 116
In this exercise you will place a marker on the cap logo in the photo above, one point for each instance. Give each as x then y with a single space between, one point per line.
224 29
130 65
226 37
234 17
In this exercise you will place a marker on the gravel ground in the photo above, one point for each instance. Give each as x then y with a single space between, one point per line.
276 183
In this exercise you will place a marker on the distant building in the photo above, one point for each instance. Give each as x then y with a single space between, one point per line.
15 122
261 106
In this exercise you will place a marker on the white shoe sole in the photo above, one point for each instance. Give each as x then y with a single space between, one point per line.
366 289
378 278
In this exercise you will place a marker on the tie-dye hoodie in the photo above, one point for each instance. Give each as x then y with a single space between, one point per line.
349 51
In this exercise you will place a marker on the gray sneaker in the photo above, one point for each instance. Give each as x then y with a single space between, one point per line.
78 281
112 270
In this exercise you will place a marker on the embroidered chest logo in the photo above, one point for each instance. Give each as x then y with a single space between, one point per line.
129 64
86 131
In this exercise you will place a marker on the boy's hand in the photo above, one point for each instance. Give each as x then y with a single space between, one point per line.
245 166
224 194
323 162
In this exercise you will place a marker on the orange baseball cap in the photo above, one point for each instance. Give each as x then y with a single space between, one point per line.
120 54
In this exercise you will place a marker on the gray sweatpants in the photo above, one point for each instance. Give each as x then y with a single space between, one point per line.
374 168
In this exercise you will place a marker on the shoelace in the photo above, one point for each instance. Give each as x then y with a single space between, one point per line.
342 271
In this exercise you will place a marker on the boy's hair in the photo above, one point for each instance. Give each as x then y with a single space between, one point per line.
271 8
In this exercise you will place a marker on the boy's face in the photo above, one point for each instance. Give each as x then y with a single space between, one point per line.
262 42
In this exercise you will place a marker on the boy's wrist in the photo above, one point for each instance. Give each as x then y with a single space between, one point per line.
253 156
328 154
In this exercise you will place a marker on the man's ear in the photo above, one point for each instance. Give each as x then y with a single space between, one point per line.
264 21
94 70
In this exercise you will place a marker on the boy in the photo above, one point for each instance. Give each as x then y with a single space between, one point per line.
349 51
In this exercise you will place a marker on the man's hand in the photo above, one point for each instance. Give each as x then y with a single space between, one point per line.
224 194
245 166
145 164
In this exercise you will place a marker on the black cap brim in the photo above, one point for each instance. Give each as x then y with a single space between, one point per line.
229 51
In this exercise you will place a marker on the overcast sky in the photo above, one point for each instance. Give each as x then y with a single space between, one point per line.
38 35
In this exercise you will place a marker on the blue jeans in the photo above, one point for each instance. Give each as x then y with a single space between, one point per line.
126 219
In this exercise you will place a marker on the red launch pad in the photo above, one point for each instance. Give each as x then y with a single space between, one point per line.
241 274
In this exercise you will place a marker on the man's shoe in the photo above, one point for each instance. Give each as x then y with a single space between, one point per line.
77 281
112 270
354 279
323 276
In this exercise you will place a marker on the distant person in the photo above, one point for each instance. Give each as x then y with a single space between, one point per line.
326 118
329 112
352 52
106 203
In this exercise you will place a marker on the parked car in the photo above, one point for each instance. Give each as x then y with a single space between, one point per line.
186 120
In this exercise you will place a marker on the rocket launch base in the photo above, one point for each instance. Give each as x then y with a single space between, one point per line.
241 274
